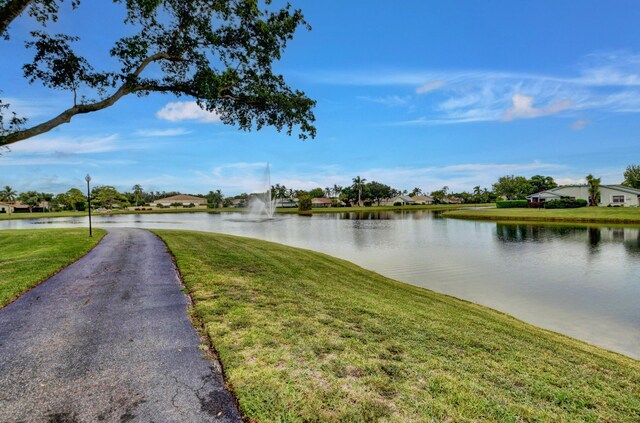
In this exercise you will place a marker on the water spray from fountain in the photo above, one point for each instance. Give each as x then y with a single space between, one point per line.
262 206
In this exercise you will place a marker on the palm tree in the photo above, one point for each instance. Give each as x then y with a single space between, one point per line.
337 190
594 190
358 182
137 192
8 195
328 191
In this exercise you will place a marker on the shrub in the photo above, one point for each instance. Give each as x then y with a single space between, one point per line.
304 203
536 204
565 203
510 204
397 203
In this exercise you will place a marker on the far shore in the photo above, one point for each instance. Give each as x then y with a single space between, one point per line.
619 215
292 210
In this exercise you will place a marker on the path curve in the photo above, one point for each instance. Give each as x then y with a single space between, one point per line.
108 339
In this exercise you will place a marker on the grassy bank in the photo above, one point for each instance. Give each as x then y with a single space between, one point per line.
585 214
307 337
27 257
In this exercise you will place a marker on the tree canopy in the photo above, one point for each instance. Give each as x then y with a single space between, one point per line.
632 176
219 52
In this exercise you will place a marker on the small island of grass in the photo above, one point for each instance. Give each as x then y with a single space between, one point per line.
626 215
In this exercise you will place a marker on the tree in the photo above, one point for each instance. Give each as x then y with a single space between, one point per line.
304 203
30 198
438 196
512 187
541 183
415 191
337 190
594 190
358 183
106 196
378 191
137 192
220 53
215 198
8 195
316 193
632 176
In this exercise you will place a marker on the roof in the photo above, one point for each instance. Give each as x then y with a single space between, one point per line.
422 198
406 198
623 188
180 197
321 200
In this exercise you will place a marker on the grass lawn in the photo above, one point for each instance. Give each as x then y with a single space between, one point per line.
27 257
307 337
584 214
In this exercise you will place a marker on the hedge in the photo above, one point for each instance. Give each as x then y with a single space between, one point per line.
565 203
510 204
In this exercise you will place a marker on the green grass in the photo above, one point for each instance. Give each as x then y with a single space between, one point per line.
307 337
38 215
27 257
585 214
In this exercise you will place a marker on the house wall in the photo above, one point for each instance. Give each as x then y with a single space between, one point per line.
606 195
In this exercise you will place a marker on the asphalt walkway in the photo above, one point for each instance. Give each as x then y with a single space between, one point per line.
108 339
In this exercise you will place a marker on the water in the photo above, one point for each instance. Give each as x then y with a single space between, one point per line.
578 280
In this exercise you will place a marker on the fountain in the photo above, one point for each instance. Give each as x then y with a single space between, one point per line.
261 205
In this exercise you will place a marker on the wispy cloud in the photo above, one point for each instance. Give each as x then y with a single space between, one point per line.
522 108
174 132
580 124
61 146
603 82
430 86
390 100
186 110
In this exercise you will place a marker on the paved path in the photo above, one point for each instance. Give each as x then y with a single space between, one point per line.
108 339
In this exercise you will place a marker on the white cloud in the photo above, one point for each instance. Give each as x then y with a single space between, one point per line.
162 132
580 124
186 110
522 108
430 86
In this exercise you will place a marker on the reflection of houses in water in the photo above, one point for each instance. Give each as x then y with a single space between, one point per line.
594 236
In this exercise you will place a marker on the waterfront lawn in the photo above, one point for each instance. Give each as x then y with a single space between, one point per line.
304 336
584 214
27 257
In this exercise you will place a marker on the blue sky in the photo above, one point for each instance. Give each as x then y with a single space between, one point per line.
410 93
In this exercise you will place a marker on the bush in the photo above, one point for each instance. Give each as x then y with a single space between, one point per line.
304 203
510 204
536 205
397 203
565 203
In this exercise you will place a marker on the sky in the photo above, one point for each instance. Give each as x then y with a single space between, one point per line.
411 94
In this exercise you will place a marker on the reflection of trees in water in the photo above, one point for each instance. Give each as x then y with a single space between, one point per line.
514 232
594 236
386 215
632 245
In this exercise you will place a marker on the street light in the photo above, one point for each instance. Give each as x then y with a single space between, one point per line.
88 179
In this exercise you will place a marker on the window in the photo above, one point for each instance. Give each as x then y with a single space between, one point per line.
617 199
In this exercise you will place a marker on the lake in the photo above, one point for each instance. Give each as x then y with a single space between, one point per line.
582 281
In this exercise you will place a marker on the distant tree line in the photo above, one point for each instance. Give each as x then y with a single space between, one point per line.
359 192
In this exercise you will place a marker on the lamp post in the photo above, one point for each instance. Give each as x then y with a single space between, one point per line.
88 179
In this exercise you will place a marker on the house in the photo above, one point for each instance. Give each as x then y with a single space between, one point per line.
422 199
404 200
18 207
452 200
238 203
287 202
610 195
320 202
185 200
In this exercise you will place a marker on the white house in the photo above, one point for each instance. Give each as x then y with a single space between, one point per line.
610 195
404 200
185 200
